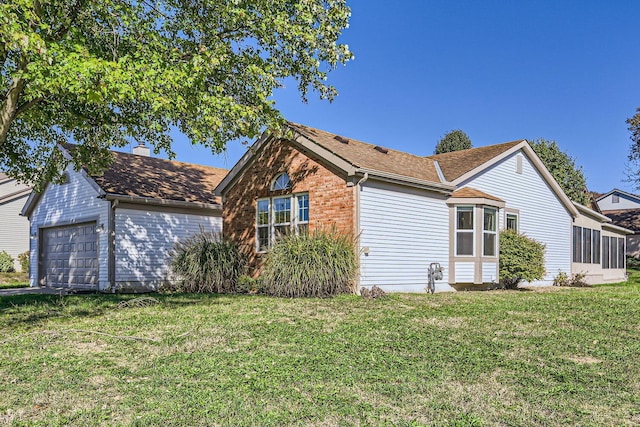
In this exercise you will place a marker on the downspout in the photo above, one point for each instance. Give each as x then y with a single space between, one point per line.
111 245
357 189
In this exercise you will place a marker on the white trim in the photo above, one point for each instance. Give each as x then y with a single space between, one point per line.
587 211
293 222
624 193
506 216
496 213
472 231
439 171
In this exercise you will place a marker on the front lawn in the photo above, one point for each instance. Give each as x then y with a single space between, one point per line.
545 357
14 280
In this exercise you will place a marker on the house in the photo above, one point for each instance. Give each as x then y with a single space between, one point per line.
409 211
14 232
616 200
624 210
116 231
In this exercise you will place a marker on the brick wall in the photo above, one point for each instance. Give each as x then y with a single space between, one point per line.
331 202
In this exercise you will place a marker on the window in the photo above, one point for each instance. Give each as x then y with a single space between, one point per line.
577 244
613 252
489 228
282 182
605 251
279 216
303 213
596 247
615 198
464 230
621 253
586 245
263 225
511 222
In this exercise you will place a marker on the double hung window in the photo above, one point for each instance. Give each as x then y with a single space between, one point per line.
464 231
489 232
279 216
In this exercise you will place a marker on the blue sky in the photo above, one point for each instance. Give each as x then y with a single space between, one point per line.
499 70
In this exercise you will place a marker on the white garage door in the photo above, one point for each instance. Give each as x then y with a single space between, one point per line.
69 256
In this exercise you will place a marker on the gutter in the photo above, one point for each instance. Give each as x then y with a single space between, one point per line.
444 188
160 202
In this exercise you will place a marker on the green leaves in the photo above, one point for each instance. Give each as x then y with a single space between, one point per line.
564 170
106 72
454 140
521 258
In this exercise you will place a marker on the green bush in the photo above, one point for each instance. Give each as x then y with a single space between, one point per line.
24 260
6 263
521 258
633 262
321 264
575 281
206 262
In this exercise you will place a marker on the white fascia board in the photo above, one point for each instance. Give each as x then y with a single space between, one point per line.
590 212
161 202
617 228
445 188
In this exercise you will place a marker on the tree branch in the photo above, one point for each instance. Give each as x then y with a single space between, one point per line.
10 102
25 106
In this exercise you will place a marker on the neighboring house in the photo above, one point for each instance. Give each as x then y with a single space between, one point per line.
409 211
624 210
616 200
116 231
14 229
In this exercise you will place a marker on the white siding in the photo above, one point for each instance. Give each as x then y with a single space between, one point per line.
465 272
14 229
542 215
144 240
404 230
489 272
70 203
625 202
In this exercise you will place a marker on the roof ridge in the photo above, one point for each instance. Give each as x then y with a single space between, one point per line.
360 142
514 142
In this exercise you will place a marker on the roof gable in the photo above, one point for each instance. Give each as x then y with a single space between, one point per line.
631 196
456 164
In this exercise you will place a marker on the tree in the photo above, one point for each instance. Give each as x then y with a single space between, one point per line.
101 73
521 258
634 153
454 140
563 169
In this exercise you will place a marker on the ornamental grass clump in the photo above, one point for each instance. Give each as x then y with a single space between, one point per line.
320 264
206 262
6 262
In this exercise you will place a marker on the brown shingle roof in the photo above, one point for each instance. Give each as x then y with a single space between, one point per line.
366 156
457 163
151 177
626 218
473 193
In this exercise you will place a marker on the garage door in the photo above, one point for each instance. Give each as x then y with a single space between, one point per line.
69 256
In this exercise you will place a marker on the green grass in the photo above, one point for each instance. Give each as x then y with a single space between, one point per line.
13 280
549 357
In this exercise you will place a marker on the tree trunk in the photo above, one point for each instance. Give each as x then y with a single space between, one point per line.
9 107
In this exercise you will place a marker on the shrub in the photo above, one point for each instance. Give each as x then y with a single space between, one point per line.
576 280
521 258
311 265
206 262
248 285
24 260
6 262
633 262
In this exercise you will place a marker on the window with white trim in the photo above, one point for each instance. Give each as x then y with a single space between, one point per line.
281 182
280 215
615 198
464 230
511 221
489 232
